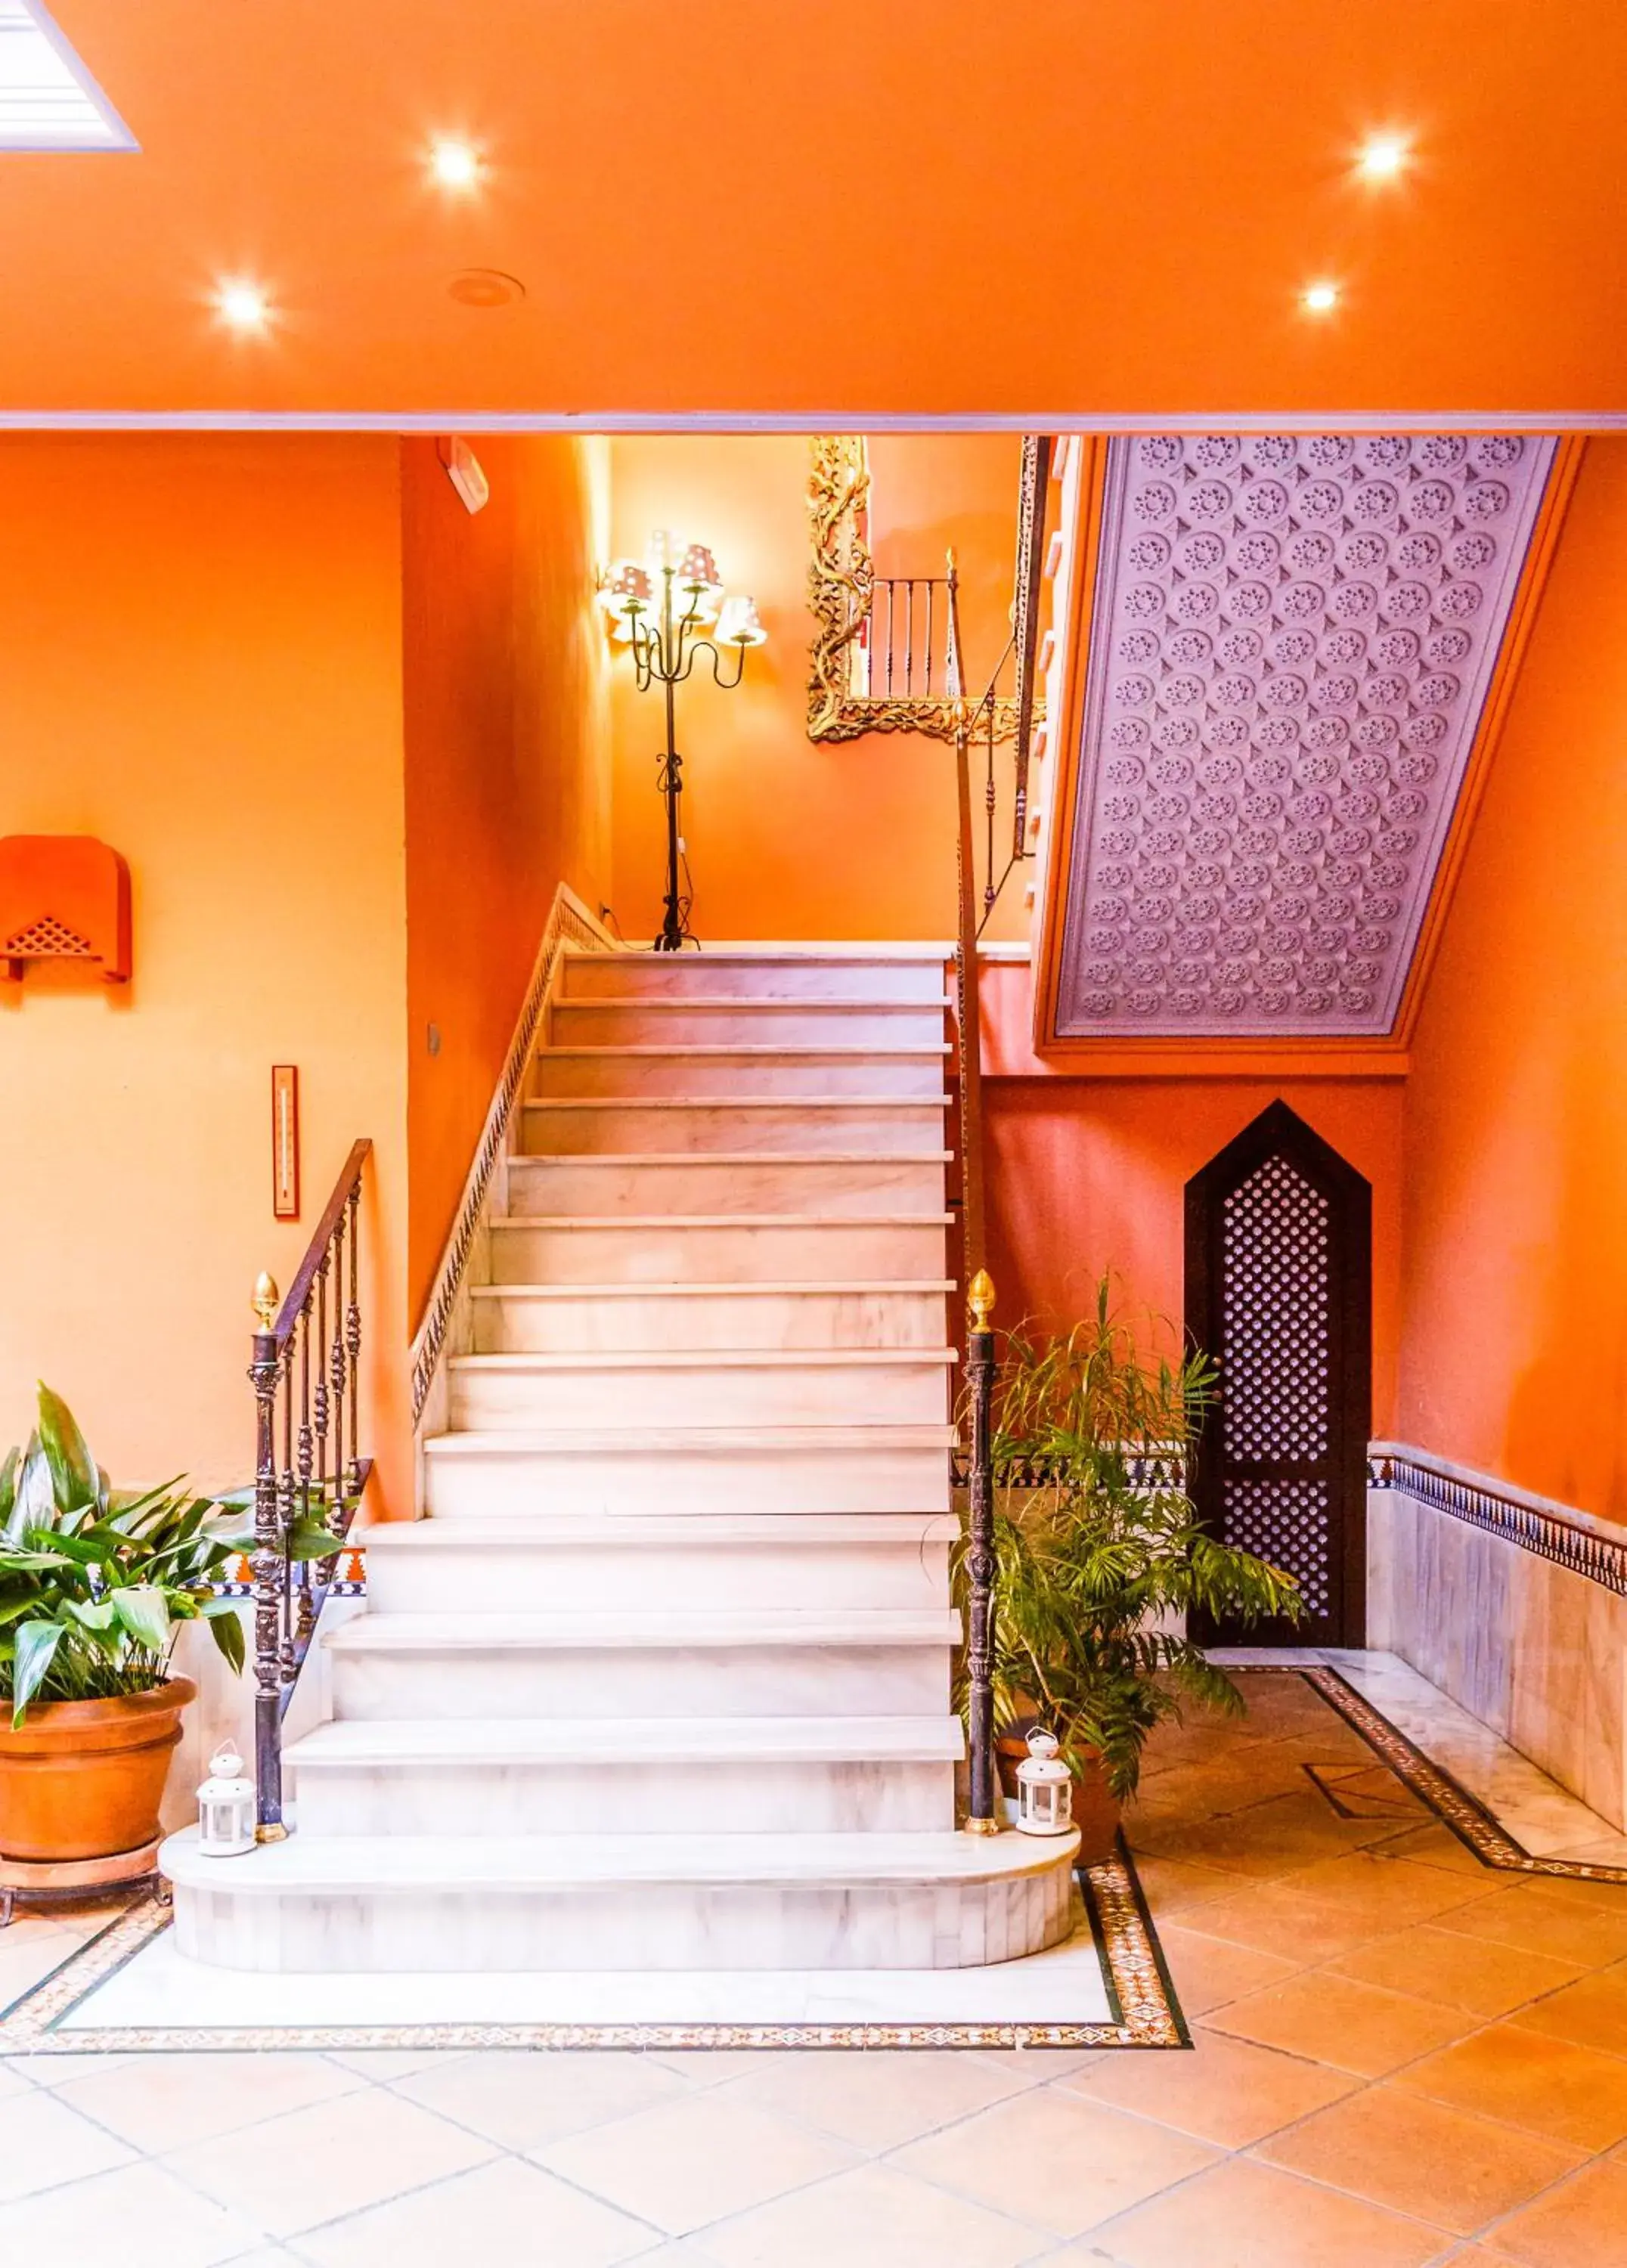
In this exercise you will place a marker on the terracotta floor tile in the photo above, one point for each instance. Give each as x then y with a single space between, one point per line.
1529 1915
875 2217
1242 2214
1575 2095
1435 1845
1227 2091
1582 2224
1210 1971
1395 1891
1175 1885
1278 1917
695 2160
1055 2159
1593 2013
1355 2028
876 2100
1474 1973
1425 2159
1280 1836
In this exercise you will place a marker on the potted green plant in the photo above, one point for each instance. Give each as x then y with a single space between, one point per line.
94 1583
1099 1555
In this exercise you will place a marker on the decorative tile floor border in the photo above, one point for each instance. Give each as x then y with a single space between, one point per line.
1452 1805
1140 1994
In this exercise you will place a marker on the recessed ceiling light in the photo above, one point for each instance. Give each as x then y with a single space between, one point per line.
242 305
454 165
1319 299
1382 155
485 287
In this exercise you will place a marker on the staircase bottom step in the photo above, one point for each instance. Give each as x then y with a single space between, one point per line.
623 1901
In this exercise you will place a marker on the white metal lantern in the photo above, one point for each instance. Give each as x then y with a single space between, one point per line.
1044 1788
225 1807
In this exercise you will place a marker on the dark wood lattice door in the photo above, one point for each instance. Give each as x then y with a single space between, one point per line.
1279 1261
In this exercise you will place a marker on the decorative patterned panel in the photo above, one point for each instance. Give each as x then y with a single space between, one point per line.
1292 640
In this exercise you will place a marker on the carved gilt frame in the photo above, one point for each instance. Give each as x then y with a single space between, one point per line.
840 577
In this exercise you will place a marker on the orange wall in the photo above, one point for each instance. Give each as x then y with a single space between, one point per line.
507 775
200 648
788 838
1514 1344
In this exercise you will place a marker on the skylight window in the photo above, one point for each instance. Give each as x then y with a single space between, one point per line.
47 99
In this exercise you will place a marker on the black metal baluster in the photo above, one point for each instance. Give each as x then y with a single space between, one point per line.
307 1465
268 1565
890 588
910 638
353 1345
980 1560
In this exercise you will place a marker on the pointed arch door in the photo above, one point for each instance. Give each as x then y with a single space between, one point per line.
1278 1289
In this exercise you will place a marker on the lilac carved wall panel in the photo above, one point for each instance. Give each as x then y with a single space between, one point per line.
1293 640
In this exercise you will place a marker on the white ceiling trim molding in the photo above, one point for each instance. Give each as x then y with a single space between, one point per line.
805 422
48 100
1292 642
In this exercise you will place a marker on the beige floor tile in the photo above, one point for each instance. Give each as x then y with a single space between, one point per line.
1210 1971
877 2101
1333 2020
875 2217
1473 1973
43 2143
1037 2065
1591 2013
161 2104
1056 2159
1573 2094
1437 2164
501 2213
310 2166
386 2064
523 2100
1582 2224
1531 1916
137 2217
710 2066
687 2163
26 1960
14 2079
1245 2215
1226 2091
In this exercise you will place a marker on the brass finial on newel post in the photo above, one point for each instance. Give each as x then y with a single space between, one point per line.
982 1817
265 1300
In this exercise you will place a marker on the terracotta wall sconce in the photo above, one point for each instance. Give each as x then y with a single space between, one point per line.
64 897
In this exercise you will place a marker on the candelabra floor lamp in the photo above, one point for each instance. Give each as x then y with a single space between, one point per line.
667 637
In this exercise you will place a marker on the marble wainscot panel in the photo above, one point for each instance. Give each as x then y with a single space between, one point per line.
1515 1606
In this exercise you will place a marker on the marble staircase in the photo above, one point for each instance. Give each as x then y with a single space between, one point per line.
662 1680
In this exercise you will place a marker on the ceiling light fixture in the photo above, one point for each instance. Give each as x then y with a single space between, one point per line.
485 287
1320 299
1383 156
454 165
242 305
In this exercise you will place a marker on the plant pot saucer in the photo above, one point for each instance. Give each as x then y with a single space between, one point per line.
47 1879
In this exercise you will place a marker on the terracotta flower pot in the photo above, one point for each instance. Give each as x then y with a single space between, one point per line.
1096 1809
84 1780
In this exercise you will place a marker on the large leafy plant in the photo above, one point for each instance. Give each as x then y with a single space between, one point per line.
1100 1556
94 1580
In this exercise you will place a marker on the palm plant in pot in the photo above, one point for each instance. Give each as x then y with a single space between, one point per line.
94 1584
1100 1556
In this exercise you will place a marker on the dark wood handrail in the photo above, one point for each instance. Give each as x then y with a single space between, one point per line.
965 960
321 1238
1036 455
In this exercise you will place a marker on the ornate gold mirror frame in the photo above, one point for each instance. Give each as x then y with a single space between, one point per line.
841 580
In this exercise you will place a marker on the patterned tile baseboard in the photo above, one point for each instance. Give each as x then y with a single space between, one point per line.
1505 1512
1144 2012
1452 1805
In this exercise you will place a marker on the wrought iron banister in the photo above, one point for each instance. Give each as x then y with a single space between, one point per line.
309 1472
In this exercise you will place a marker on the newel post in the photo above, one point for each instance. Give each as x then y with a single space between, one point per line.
268 1565
983 1818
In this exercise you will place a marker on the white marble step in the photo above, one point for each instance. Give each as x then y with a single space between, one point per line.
623 1125
741 1070
775 1471
692 1663
721 1021
718 1248
787 976
638 1560
812 1185
764 1387
611 1902
647 1776
555 1318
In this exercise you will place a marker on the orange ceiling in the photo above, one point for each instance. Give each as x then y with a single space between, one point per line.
1046 209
